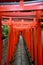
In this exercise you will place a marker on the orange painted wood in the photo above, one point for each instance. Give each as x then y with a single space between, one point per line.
39 45
0 41
35 46
29 6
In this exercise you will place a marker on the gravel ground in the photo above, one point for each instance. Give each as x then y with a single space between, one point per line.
21 57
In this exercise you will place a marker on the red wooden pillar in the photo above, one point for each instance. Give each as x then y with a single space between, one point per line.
38 16
35 46
35 41
21 3
26 35
15 39
0 42
10 43
31 45
39 45
12 40
27 40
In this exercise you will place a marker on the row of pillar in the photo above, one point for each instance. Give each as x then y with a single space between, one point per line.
35 48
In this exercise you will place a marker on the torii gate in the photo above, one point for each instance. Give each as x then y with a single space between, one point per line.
15 27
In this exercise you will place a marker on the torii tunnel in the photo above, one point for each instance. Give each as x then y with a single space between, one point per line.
22 17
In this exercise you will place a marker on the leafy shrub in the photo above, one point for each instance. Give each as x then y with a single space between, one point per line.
4 31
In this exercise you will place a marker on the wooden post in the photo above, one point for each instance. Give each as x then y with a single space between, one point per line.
0 42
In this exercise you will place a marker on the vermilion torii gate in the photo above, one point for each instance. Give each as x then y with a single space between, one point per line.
23 11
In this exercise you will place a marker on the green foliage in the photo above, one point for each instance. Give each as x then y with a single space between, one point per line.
4 31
